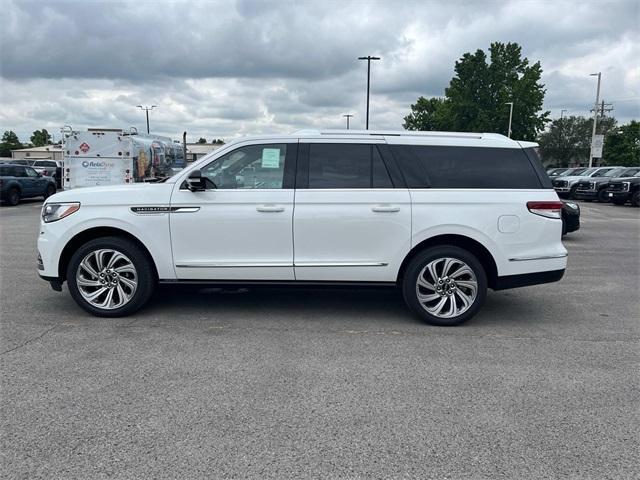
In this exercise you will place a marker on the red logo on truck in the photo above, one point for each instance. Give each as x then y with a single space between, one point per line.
84 147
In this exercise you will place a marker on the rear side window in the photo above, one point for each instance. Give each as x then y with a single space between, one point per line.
343 165
465 167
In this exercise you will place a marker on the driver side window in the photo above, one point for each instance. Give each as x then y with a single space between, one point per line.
250 167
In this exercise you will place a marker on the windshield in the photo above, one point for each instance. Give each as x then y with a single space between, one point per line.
573 171
602 172
586 172
614 173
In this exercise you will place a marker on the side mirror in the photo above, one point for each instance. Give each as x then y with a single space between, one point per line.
195 181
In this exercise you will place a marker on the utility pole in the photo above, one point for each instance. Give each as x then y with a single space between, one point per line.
595 117
510 116
146 109
368 58
562 131
348 116
604 107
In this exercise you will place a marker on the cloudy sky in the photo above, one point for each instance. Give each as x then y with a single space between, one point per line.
223 69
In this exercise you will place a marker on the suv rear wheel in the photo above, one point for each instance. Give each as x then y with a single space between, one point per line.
635 199
110 277
445 285
51 189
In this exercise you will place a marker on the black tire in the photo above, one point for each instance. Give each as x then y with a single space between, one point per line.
619 201
51 189
635 199
603 196
572 192
564 227
146 276
13 197
420 261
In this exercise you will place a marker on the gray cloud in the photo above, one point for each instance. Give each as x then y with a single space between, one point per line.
221 69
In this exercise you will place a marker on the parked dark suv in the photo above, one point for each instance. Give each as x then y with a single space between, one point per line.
623 190
595 188
18 181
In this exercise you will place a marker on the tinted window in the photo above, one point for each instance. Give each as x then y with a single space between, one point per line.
465 167
31 172
19 172
250 167
5 171
44 163
344 165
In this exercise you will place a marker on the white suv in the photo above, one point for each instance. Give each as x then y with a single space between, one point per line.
444 216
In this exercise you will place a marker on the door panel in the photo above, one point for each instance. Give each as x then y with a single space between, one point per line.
233 235
358 232
351 235
241 228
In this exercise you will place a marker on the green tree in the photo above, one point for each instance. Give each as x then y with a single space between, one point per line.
622 145
9 142
428 114
475 100
40 138
567 142
202 140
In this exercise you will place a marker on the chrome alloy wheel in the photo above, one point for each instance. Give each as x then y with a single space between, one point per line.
446 287
107 279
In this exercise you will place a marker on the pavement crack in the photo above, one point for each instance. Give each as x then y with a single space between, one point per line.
30 340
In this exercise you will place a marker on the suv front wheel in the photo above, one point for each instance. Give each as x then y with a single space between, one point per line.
110 277
445 286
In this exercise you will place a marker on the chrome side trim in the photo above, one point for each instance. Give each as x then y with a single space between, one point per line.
233 265
341 264
184 209
542 257
302 264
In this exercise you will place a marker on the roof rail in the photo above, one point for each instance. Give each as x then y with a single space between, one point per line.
401 133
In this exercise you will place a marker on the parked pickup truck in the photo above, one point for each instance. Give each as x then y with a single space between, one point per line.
49 168
596 188
623 190
566 185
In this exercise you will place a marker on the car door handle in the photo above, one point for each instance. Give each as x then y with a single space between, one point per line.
269 208
385 208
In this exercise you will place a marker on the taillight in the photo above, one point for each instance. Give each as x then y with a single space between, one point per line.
546 209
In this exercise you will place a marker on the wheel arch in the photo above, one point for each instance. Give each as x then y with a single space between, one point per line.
473 246
91 234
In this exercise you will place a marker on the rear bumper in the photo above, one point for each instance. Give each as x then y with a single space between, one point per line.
526 279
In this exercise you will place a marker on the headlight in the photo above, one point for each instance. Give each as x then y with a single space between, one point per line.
53 212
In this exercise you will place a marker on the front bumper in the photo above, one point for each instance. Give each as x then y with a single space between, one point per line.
618 195
55 282
585 194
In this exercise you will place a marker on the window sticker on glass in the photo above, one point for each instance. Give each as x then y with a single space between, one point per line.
270 158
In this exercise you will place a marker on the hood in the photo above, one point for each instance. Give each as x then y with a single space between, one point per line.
131 194
625 179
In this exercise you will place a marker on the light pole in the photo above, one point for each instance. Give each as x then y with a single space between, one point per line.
595 116
562 130
368 58
510 117
146 109
348 116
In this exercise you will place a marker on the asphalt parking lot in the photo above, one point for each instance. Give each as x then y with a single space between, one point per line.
276 383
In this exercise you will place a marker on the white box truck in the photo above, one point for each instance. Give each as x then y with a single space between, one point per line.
112 156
